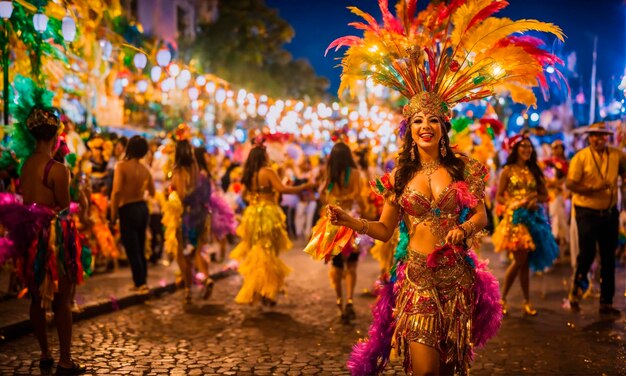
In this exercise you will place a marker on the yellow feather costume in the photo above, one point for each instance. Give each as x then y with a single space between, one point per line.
263 238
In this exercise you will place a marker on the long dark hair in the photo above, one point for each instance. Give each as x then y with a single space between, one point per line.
407 167
199 153
183 157
256 160
339 160
531 163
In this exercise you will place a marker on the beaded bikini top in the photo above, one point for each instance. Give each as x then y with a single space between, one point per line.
449 209
521 182
442 212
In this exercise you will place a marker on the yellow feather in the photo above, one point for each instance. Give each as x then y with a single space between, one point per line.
494 29
518 94
462 17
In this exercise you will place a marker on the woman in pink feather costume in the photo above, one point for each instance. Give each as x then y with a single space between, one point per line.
44 239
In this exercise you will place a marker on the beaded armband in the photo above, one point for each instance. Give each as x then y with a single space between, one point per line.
476 176
382 186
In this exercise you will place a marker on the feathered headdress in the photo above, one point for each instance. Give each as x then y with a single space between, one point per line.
31 105
446 54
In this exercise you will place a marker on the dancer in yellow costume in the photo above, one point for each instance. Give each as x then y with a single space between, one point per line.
262 231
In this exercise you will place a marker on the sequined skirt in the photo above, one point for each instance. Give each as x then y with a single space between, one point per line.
434 307
510 237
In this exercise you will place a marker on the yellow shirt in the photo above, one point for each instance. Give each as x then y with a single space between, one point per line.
593 169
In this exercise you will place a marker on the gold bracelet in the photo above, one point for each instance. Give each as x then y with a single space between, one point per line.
472 229
365 226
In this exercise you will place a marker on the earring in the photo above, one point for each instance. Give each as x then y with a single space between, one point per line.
443 149
413 151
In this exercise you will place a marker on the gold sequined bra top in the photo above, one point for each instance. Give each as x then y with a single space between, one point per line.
521 182
442 212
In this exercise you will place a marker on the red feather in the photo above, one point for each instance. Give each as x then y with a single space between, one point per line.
495 124
486 12
349 40
447 11
389 21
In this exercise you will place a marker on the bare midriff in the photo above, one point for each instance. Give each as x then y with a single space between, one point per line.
422 239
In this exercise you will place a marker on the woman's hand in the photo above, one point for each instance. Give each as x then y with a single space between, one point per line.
455 236
337 215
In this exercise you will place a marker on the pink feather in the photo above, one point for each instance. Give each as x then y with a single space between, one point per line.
389 21
349 40
369 357
487 307
464 197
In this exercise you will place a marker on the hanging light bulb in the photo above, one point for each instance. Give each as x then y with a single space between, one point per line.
142 86
107 48
167 84
174 70
140 60
181 83
68 28
155 73
210 87
193 93
6 9
163 57
220 95
200 80
185 75
40 21
118 87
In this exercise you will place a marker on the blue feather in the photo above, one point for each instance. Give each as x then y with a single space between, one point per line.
546 249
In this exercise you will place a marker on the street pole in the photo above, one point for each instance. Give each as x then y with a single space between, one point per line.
5 71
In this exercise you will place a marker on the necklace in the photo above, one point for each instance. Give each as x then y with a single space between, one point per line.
429 168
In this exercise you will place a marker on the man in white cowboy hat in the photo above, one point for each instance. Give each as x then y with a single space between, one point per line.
592 178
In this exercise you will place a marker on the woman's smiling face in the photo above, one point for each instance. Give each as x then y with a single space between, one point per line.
426 130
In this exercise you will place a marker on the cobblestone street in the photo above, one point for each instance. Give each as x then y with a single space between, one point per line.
303 334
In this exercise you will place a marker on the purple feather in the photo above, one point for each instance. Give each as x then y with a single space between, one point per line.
7 251
223 218
365 244
402 130
370 357
23 222
487 307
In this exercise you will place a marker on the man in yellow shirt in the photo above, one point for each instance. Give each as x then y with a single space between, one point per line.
592 178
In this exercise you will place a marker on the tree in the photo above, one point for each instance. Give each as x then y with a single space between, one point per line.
245 46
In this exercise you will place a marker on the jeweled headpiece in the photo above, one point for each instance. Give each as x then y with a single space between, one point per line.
447 53
40 116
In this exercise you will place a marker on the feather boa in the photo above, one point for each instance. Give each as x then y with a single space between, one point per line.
487 307
44 244
196 206
370 356
222 216
546 249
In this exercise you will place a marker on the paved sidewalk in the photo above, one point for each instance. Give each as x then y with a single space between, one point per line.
99 294
304 336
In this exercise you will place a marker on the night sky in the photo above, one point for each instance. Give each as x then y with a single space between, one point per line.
319 22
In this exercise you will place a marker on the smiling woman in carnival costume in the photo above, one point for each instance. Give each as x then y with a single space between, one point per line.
439 300
44 242
524 230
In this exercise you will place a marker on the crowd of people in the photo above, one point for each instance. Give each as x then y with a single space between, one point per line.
422 213
159 201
